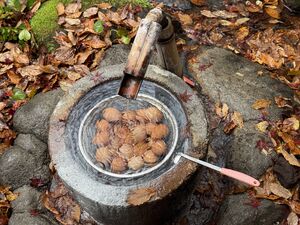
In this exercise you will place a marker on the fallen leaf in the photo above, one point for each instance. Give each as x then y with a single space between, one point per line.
280 191
72 21
14 78
65 54
291 123
73 76
81 57
222 112
283 102
207 13
72 8
104 5
229 127
237 119
289 157
185 19
6 57
240 21
242 33
273 11
226 23
185 96
140 196
224 14
294 149
60 8
198 2
95 42
261 104
90 12
262 126
30 71
293 219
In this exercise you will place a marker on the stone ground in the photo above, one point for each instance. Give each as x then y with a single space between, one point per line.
230 79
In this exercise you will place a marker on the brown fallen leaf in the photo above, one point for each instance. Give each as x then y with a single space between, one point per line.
283 102
294 149
81 57
72 8
73 76
140 196
289 157
262 126
19 56
229 127
242 33
14 78
280 191
6 57
30 71
198 2
291 123
222 112
185 96
95 42
293 219
261 104
90 12
185 19
237 119
60 8
207 13
72 21
104 5
273 11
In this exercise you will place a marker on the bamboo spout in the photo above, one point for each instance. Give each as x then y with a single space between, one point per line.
148 34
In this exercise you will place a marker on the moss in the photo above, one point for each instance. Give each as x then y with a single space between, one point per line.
44 22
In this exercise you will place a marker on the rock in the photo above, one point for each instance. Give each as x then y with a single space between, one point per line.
28 199
245 157
228 78
27 219
180 4
237 210
287 174
33 117
27 159
116 54
293 5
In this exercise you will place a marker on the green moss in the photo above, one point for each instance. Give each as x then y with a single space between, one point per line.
44 22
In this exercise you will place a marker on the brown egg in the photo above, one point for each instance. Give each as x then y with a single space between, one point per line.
128 116
153 114
160 131
118 165
101 138
126 151
136 163
150 127
121 131
139 133
140 148
158 147
102 125
150 157
112 114
104 155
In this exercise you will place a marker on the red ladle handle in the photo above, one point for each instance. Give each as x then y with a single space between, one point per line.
240 176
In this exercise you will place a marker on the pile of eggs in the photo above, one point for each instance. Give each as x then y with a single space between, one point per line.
130 140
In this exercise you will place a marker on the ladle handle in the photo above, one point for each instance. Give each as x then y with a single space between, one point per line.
240 176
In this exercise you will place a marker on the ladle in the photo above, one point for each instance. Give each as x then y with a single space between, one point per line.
228 172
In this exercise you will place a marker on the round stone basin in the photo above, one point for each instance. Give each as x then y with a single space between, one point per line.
104 194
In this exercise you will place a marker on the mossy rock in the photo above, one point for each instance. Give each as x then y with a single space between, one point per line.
44 22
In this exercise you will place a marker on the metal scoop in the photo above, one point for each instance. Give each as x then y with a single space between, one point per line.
228 172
